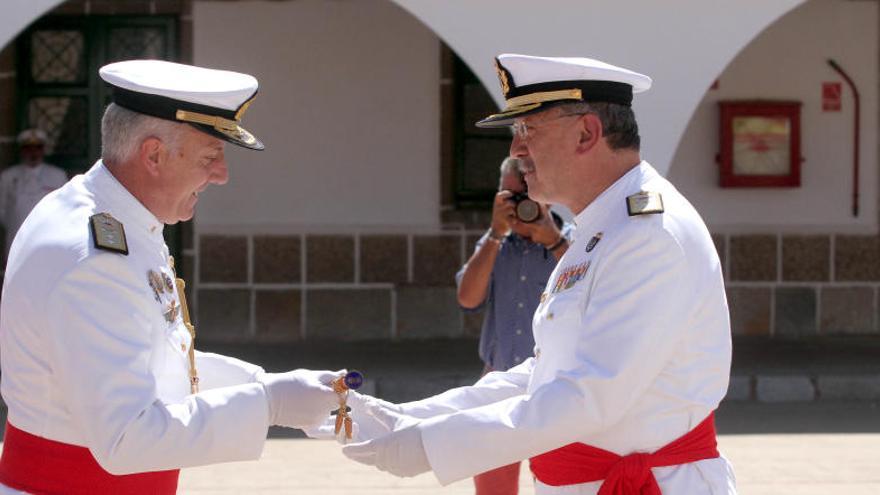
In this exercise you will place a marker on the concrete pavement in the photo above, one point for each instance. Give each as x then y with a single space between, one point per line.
806 464
776 449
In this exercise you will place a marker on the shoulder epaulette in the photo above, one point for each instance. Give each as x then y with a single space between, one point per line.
108 233
644 203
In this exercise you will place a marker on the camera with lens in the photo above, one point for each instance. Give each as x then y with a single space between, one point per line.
526 209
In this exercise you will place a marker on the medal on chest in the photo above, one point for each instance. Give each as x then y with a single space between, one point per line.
570 276
163 292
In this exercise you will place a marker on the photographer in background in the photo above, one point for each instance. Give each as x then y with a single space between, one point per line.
506 275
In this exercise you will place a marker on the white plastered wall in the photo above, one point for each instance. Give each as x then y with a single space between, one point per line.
788 61
348 108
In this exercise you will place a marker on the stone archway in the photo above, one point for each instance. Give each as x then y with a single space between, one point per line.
683 47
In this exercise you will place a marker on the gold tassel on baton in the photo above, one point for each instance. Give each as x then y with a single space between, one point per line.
350 381
193 373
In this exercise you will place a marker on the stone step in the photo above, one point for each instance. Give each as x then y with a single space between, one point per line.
801 388
763 371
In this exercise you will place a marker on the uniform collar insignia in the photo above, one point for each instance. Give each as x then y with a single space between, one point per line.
595 240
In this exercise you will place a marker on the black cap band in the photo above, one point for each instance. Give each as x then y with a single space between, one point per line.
592 91
163 107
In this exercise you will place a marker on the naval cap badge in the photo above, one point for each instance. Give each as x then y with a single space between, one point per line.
502 78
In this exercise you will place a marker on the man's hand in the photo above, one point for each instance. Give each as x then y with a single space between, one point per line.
503 213
300 398
400 453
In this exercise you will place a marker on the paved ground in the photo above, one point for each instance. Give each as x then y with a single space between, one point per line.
776 449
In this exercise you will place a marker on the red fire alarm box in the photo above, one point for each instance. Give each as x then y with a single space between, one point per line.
831 92
760 144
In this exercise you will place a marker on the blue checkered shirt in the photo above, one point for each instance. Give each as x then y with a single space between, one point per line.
518 277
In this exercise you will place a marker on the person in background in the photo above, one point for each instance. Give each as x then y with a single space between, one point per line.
504 277
23 185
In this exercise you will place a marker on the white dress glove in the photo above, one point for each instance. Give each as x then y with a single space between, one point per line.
400 453
368 420
300 398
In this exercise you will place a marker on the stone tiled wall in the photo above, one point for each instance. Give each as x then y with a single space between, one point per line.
796 286
401 286
331 286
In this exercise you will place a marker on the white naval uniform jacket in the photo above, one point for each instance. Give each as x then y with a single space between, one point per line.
629 356
90 359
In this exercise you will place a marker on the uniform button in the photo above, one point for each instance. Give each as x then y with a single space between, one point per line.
549 316
518 331
543 296
519 305
516 359
537 353
522 278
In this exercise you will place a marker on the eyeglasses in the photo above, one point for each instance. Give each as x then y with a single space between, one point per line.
522 130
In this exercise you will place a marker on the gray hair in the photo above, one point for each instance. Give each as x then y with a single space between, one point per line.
123 131
511 165
618 122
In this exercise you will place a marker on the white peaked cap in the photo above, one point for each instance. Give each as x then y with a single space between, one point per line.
211 100
532 84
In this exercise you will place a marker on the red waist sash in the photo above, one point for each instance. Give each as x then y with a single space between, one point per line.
628 475
41 466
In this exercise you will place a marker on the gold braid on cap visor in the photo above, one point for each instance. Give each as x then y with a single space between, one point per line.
541 97
219 123
214 121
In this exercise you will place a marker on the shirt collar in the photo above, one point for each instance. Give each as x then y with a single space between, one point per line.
122 204
515 238
520 241
612 198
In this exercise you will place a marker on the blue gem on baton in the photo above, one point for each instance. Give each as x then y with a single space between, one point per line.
353 380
